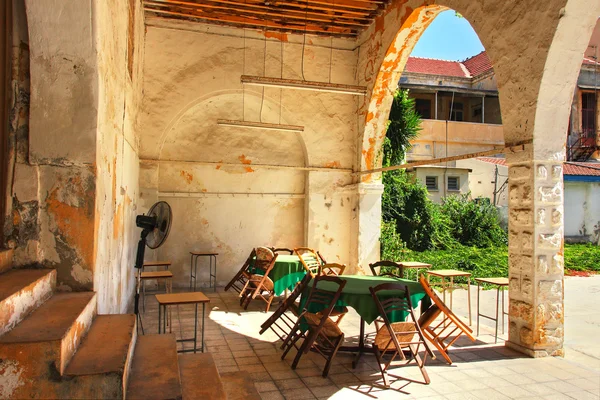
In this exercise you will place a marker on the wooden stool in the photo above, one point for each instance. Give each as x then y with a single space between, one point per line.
212 258
167 276
500 283
176 299
452 273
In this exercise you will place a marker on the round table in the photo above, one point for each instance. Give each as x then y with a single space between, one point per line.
286 272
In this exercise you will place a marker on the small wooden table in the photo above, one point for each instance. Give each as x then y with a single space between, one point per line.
172 299
500 283
413 265
167 276
452 273
194 267
165 264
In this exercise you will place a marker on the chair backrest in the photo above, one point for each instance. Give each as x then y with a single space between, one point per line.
321 300
264 258
242 274
286 304
323 261
282 250
332 269
437 302
399 302
310 260
396 269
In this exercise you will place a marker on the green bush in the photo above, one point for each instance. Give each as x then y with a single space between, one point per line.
582 257
473 222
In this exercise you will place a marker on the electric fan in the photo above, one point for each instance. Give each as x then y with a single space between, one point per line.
155 229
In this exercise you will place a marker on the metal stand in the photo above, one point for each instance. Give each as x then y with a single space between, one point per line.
212 277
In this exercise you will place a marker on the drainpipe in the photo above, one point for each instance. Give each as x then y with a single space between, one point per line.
436 105
483 109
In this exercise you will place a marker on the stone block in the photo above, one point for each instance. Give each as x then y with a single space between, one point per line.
542 264
549 337
541 216
514 284
557 216
550 240
550 194
526 239
558 264
551 289
523 217
541 172
557 172
522 310
526 287
526 336
520 263
520 172
549 313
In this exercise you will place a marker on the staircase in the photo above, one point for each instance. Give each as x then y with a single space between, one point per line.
54 345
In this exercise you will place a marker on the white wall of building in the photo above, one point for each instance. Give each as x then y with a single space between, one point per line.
582 208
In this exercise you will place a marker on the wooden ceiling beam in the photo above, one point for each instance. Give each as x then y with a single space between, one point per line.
261 25
182 6
264 10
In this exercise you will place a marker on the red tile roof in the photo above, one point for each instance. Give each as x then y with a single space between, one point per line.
432 66
569 168
589 61
478 64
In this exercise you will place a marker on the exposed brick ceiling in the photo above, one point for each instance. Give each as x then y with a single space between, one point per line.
340 18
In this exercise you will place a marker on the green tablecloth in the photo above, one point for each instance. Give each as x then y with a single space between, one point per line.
356 295
286 272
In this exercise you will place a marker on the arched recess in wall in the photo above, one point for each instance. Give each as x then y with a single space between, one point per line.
229 208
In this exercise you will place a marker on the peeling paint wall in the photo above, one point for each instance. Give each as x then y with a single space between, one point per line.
75 185
191 79
120 36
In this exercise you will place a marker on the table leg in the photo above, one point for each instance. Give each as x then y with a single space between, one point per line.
361 343
215 280
195 327
503 311
497 301
478 303
451 287
203 311
191 267
469 299
159 309
195 272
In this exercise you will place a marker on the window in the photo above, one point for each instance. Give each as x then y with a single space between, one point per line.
423 107
588 115
431 182
453 183
457 112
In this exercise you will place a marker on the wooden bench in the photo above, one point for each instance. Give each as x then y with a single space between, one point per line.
200 378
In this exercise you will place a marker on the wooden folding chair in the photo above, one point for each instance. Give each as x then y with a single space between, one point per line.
396 337
396 268
440 331
321 257
282 250
239 280
280 322
259 284
309 259
323 335
332 269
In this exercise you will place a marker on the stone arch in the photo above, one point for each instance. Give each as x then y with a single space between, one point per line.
518 64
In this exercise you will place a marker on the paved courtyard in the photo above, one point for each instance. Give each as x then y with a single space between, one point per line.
481 370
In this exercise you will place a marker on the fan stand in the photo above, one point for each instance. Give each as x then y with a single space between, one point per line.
139 264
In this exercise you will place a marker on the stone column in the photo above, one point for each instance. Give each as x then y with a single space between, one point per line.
536 265
366 227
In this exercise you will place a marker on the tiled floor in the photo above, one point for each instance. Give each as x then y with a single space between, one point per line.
480 371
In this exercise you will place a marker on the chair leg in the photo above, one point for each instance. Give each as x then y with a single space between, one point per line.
420 363
271 297
299 353
380 362
291 344
338 343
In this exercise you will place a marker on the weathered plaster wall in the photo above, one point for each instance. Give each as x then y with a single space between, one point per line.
120 36
75 151
582 209
57 171
442 175
191 79
481 180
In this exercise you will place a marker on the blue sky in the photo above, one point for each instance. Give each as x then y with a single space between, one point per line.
448 37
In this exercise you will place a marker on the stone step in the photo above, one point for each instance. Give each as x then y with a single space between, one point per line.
239 385
100 367
200 378
6 258
21 292
36 352
154 370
